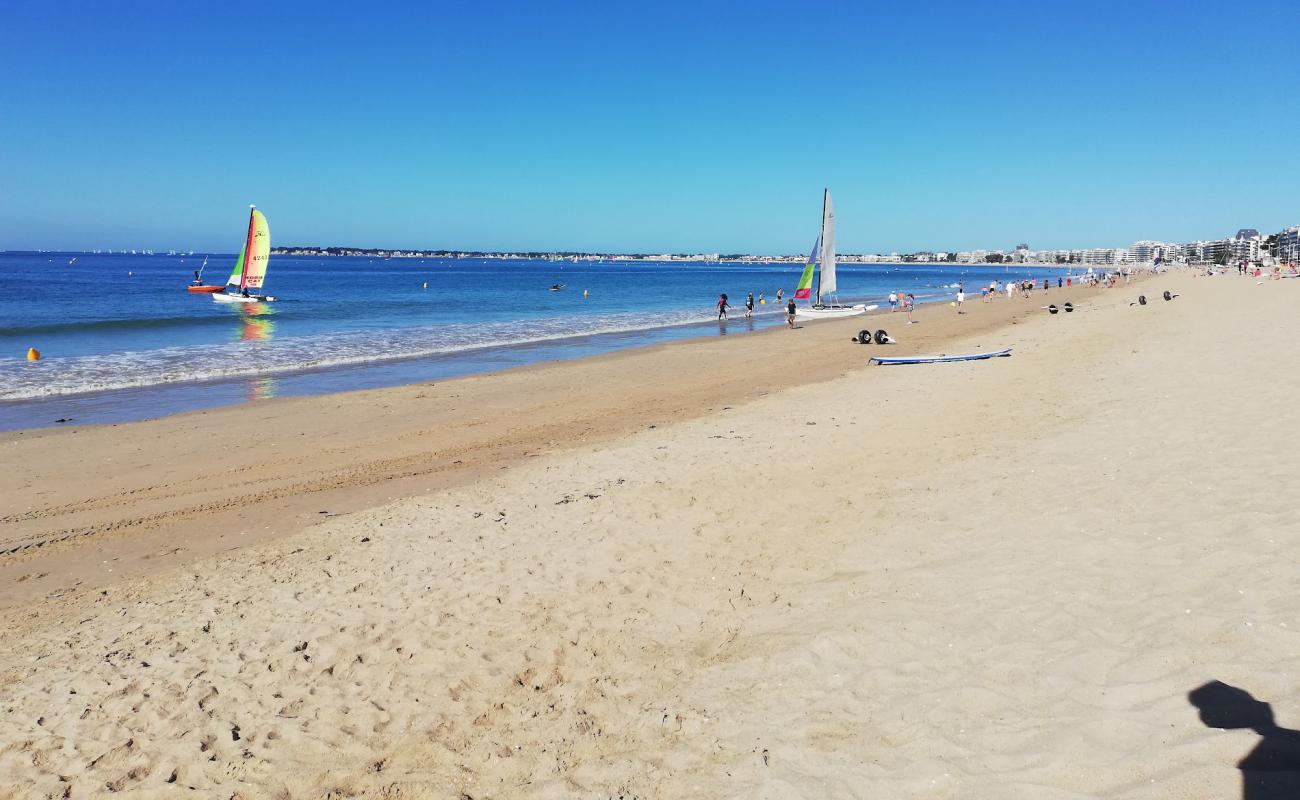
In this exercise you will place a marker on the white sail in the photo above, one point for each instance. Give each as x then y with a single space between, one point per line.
826 285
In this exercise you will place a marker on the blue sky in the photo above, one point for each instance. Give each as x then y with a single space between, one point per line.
700 127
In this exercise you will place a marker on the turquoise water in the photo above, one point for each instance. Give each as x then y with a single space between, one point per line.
121 339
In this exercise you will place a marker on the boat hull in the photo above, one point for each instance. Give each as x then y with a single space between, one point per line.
829 312
941 359
204 289
239 298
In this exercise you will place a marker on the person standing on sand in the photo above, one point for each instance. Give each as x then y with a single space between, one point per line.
911 302
893 301
722 307
789 314
961 297
749 305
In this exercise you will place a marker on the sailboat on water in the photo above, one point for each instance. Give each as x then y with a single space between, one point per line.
250 269
822 293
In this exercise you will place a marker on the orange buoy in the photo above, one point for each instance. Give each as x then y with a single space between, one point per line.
33 354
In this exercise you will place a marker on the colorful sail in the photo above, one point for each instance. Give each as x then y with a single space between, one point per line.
804 290
237 276
250 269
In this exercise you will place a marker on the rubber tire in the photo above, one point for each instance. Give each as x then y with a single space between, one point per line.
881 337
1142 299
1068 307
1052 309
1167 295
864 337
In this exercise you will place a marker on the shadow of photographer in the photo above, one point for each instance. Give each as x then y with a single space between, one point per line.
1271 771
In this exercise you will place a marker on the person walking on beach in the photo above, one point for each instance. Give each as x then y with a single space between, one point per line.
722 307
961 297
893 301
749 305
789 313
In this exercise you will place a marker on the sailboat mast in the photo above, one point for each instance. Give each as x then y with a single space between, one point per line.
248 248
821 255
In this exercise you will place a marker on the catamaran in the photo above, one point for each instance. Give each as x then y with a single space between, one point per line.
250 269
823 253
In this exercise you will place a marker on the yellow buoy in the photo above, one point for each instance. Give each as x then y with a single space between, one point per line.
33 354
584 292
762 302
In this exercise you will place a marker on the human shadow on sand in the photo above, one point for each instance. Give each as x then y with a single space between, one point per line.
1272 770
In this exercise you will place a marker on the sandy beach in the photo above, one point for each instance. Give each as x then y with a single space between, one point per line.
743 567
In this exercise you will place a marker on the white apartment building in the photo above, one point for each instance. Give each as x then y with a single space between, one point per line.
1288 244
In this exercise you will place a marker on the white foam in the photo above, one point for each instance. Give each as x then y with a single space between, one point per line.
168 365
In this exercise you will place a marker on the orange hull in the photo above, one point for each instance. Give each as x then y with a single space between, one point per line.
205 289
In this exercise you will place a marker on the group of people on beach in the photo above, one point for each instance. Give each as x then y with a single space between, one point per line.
724 305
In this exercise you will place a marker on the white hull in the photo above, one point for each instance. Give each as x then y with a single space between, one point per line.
224 297
830 312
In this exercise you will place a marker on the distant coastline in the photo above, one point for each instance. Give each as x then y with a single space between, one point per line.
713 258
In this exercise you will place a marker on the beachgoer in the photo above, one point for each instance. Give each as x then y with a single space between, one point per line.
911 302
1011 288
961 298
893 301
749 305
722 307
984 294
789 313
1058 281
779 294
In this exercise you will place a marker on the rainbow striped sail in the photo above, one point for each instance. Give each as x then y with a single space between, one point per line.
250 269
804 290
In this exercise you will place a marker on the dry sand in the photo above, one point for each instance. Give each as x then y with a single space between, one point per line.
993 579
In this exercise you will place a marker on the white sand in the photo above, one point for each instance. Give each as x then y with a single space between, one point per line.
994 579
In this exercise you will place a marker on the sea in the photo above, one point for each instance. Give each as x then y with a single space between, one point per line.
120 338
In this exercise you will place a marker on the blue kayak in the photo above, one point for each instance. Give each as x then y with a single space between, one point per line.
936 359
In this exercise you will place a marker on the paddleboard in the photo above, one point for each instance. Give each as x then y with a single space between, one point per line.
937 359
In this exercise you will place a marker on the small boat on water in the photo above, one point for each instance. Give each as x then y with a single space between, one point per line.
824 304
196 286
250 268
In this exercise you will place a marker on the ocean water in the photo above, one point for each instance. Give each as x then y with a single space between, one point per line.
121 339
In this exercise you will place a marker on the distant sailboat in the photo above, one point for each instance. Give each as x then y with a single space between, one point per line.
250 269
823 255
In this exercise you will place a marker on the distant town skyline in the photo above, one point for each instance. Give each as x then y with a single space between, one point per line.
681 127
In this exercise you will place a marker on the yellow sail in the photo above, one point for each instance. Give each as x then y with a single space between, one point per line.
259 251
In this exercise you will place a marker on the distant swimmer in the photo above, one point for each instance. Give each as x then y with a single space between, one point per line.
555 287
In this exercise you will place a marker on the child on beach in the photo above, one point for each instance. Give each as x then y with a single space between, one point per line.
749 305
722 307
789 314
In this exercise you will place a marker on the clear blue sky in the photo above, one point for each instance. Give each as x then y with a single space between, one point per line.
646 127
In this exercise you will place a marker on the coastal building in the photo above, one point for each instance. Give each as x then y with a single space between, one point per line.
1288 244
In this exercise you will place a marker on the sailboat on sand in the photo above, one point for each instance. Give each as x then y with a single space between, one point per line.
250 269
822 294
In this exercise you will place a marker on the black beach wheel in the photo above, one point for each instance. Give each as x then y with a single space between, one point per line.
1142 299
881 337
864 337
1052 309
1168 296
1068 307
